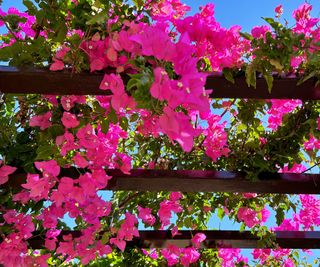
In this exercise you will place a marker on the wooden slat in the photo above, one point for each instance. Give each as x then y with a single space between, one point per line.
36 81
199 181
215 238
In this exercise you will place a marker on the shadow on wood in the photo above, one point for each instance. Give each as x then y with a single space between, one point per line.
215 238
41 81
197 181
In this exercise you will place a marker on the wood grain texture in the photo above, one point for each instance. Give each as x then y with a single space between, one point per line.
215 238
42 81
197 181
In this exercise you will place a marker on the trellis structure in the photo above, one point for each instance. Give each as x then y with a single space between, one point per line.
32 81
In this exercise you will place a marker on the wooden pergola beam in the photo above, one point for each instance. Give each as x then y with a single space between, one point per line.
198 181
215 238
40 81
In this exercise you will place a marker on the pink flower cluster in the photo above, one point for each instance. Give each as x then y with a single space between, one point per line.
184 256
182 96
230 257
278 109
216 138
25 28
5 171
251 217
210 39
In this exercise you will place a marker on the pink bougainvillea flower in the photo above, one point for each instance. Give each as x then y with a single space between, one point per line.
168 10
152 254
112 82
280 108
248 216
123 162
278 10
177 126
296 61
174 196
128 229
296 168
231 256
87 183
161 87
287 225
260 31
5 171
23 197
95 49
49 167
174 231
120 243
261 254
171 254
249 195
120 99
57 65
58 59
69 120
39 187
166 208
265 214
146 216
87 137
189 255
197 239
42 121
156 42
67 142
80 161
68 102
100 178
216 142
304 21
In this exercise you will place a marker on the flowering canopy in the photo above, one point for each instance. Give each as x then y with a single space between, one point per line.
161 117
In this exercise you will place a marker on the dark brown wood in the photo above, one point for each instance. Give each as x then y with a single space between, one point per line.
199 181
215 238
37 81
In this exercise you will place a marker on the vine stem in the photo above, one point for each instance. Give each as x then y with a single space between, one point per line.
123 203
316 164
227 108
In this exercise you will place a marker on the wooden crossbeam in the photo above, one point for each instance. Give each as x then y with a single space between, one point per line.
37 81
198 181
215 238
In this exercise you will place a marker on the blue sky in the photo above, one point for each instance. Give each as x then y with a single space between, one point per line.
246 13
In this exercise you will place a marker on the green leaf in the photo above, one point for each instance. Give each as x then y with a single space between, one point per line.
309 76
251 76
61 33
228 75
269 80
134 117
274 24
220 213
138 3
124 123
246 35
105 125
55 130
98 18
112 116
44 152
279 216
30 6
105 238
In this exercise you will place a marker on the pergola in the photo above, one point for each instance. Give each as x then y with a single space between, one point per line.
38 81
